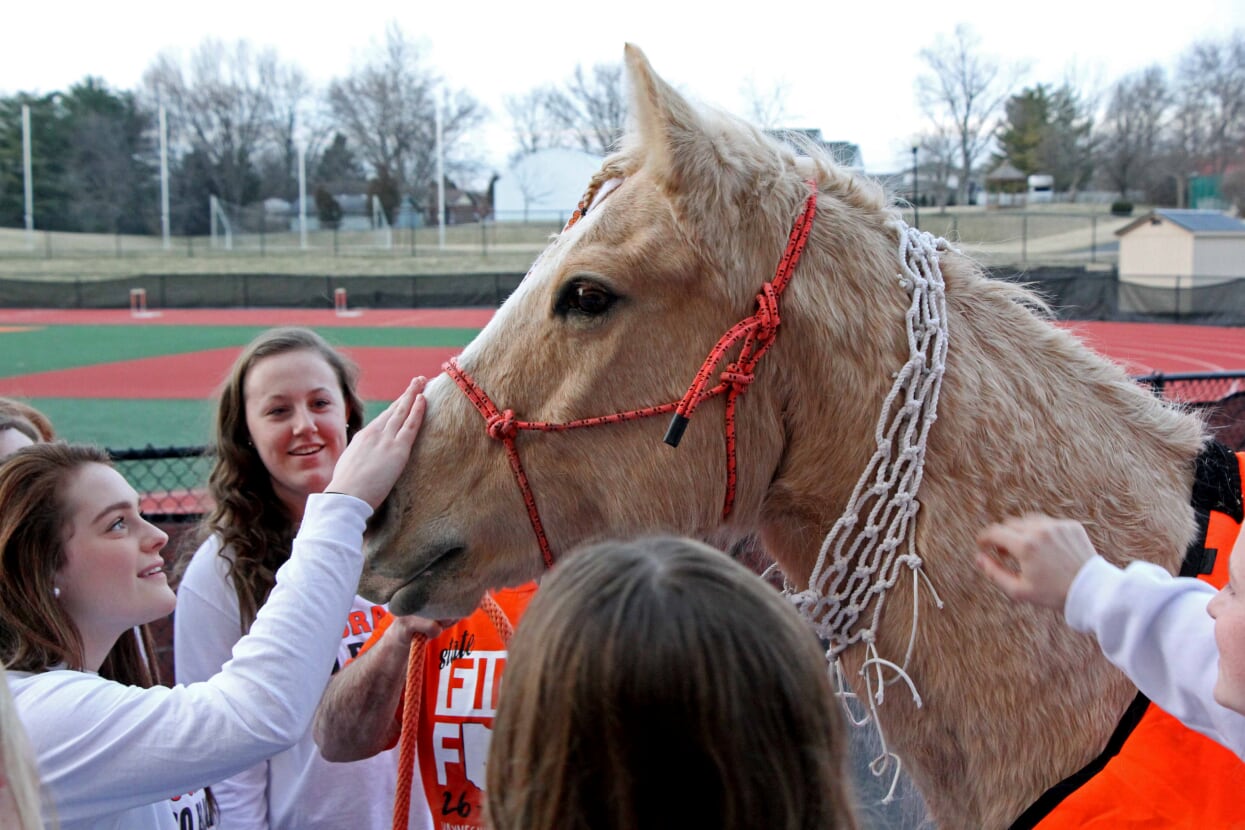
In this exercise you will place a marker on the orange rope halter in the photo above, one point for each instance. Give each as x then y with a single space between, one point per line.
757 333
411 701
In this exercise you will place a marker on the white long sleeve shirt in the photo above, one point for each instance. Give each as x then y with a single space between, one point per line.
111 755
1154 628
296 789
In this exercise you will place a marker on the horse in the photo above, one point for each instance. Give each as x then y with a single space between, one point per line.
880 358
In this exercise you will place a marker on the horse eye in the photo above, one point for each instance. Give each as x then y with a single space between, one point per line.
584 297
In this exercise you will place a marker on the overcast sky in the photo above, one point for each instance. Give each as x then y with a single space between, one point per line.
847 68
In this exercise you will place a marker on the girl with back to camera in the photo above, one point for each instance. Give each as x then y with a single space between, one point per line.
284 415
659 684
80 576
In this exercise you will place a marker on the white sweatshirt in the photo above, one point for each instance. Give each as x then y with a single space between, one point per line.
1155 628
296 789
111 755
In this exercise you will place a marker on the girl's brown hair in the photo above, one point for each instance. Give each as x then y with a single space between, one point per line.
35 631
19 409
658 684
248 517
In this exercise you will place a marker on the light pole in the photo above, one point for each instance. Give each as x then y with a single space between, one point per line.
916 193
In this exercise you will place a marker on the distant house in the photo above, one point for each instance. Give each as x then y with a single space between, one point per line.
544 186
1181 261
845 153
462 206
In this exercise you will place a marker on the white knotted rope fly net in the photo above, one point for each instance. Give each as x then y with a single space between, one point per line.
872 545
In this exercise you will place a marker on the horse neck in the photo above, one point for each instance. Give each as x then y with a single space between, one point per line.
1026 413
843 338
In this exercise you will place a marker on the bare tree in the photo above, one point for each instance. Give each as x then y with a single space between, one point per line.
936 160
387 109
529 118
1131 133
962 93
220 106
292 97
532 186
767 108
1211 81
590 112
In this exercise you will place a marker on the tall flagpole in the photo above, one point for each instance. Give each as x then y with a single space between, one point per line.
440 180
302 197
29 180
164 178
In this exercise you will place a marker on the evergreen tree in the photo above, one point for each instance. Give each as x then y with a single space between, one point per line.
1023 130
47 161
109 166
339 168
1048 130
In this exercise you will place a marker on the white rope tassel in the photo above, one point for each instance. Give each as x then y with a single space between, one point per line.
858 563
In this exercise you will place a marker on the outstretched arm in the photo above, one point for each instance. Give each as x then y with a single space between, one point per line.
170 740
358 715
1152 626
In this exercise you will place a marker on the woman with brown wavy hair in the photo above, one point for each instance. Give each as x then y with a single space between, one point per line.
660 684
256 509
81 575
284 415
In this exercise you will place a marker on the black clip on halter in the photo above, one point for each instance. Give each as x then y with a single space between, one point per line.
674 432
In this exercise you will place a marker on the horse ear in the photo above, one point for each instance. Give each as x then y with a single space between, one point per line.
668 131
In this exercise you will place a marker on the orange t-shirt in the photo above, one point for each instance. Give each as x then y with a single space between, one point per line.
462 677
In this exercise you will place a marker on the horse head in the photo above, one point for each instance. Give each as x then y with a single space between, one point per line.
678 233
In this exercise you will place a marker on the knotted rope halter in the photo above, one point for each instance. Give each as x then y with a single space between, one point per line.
757 333
886 492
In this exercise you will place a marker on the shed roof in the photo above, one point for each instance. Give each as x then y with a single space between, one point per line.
1005 172
1194 221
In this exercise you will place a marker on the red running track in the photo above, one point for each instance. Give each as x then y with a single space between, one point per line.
1143 348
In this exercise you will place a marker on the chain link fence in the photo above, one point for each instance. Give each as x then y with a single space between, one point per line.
172 481
1220 396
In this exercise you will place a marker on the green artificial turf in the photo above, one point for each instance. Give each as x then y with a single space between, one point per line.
65 347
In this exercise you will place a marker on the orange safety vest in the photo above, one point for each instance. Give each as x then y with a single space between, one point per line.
1156 772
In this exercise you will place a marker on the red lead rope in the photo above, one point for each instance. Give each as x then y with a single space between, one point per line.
757 333
411 700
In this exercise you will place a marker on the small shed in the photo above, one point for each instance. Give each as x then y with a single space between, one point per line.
1182 261
1005 186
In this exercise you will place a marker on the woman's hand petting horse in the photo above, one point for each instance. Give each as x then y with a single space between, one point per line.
390 435
1034 558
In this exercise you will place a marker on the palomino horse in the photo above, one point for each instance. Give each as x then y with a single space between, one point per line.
827 456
